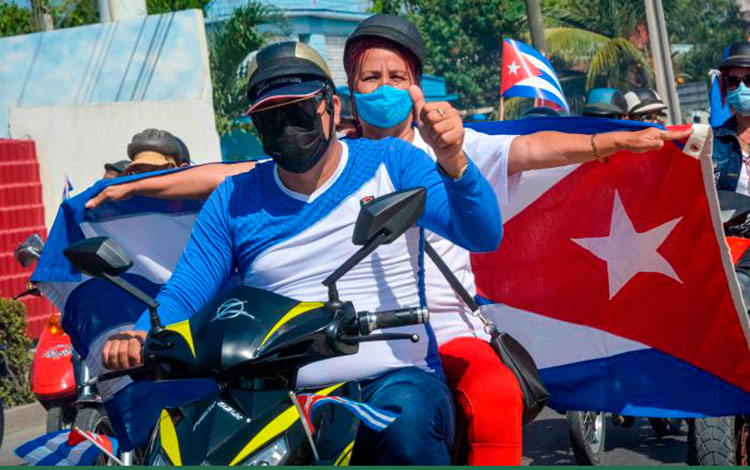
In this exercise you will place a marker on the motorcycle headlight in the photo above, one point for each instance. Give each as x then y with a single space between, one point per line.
273 454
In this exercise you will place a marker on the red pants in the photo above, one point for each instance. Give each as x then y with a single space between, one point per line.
488 396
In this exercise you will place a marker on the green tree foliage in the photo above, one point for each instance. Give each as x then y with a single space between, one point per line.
14 20
165 6
229 49
464 43
707 25
14 358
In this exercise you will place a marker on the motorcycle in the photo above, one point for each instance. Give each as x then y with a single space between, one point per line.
252 343
57 369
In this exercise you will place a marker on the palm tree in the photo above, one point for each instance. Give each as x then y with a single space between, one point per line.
597 43
229 49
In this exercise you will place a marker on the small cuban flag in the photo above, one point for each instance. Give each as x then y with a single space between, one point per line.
67 188
372 417
528 74
68 447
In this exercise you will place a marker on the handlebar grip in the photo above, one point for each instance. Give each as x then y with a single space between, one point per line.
370 321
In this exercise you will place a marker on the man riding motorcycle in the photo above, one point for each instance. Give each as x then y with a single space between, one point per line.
387 50
283 226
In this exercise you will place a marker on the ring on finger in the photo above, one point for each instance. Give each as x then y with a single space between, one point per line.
442 112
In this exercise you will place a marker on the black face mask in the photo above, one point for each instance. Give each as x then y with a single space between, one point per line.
293 134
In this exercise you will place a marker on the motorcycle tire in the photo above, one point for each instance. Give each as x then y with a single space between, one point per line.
60 417
587 436
666 426
95 419
712 441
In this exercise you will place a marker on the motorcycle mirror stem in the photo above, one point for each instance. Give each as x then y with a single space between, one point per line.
150 302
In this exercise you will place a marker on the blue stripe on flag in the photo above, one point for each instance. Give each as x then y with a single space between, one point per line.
521 91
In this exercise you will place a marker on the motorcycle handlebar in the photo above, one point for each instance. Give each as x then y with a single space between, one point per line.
370 321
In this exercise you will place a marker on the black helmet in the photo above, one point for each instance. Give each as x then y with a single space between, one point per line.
154 140
643 100
605 102
540 111
392 28
285 63
736 55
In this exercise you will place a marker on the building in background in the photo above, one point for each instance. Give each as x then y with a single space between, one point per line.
323 24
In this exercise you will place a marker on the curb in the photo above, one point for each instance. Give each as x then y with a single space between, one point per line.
24 416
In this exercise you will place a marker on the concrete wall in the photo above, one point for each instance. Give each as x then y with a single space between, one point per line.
78 140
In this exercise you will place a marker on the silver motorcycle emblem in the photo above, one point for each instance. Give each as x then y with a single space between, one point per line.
232 308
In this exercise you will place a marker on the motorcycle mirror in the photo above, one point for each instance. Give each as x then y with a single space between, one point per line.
389 216
102 257
29 251
98 257
380 221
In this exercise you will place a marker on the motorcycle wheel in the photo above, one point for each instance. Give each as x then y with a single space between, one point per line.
587 433
60 417
666 426
95 419
712 441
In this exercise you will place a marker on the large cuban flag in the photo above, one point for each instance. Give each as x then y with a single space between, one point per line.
528 74
618 280
615 276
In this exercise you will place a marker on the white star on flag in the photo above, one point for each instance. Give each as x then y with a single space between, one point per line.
628 252
513 67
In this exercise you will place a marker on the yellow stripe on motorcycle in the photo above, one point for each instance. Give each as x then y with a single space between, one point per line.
279 424
168 438
183 329
346 456
297 310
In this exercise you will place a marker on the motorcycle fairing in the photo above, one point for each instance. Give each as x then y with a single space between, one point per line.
245 332
231 426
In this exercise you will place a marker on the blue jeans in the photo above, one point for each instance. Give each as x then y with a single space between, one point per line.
423 432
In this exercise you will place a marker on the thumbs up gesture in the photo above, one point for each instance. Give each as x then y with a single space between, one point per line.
441 128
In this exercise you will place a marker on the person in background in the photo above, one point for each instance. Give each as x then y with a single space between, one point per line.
645 105
732 138
540 111
606 103
115 170
153 150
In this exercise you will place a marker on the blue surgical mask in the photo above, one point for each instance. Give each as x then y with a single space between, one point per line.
739 100
384 107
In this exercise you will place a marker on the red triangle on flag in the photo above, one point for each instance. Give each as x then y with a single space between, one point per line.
553 261
515 67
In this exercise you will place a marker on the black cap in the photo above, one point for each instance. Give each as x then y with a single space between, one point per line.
605 102
736 55
285 63
393 28
118 167
154 140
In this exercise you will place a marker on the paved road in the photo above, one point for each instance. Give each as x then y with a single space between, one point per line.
21 425
545 440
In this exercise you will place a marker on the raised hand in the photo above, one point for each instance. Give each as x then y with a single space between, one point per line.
442 129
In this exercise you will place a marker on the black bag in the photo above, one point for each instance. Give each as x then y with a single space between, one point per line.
514 356
519 361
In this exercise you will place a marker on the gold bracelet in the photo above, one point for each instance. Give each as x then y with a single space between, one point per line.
597 153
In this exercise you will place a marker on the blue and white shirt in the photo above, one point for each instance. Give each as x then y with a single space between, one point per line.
288 243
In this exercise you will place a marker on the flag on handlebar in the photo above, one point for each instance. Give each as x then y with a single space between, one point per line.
371 416
617 279
68 447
